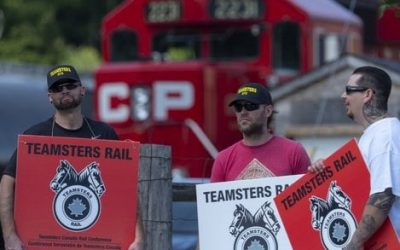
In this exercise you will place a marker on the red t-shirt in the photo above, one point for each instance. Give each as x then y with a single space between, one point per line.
278 156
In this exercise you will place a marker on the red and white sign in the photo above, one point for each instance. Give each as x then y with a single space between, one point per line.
322 210
241 215
167 96
74 193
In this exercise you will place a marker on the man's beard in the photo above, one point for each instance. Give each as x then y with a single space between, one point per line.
253 130
68 105
350 115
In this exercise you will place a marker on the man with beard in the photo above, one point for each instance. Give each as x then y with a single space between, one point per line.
260 153
66 93
366 99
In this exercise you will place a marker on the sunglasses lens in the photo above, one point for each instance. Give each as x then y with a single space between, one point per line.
352 89
56 89
59 88
251 106
247 106
238 107
71 86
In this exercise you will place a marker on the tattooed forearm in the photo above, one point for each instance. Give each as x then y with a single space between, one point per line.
383 201
375 213
352 246
370 223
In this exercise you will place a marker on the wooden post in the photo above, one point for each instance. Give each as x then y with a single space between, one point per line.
155 195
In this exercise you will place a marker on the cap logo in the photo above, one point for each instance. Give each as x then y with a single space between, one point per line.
60 71
247 90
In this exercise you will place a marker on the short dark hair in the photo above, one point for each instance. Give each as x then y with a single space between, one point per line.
379 81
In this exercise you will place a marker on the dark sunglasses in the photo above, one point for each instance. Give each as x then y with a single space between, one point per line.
247 106
351 89
60 87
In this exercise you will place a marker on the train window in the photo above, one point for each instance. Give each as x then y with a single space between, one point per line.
124 46
235 44
328 48
176 46
286 46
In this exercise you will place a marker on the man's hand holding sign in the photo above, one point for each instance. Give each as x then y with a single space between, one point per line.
331 201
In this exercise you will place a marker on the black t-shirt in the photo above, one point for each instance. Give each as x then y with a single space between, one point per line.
90 129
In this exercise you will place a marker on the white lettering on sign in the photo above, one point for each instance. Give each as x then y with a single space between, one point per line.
167 96
171 95
107 113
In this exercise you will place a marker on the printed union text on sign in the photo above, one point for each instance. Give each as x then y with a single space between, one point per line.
241 215
76 193
322 210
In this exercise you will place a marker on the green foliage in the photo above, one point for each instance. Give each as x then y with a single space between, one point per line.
389 4
51 32
85 58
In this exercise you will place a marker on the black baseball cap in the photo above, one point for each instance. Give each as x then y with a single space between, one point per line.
254 93
61 74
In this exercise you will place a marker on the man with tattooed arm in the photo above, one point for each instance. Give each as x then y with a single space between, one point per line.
366 98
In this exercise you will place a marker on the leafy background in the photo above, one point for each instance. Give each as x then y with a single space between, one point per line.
64 31
50 32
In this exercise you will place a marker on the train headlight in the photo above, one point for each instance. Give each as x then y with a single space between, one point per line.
140 100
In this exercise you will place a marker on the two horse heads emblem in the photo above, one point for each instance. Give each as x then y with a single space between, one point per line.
76 204
256 231
66 176
264 217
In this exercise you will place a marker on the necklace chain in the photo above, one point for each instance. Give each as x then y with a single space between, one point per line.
84 118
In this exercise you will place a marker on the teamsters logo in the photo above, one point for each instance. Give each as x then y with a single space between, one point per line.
76 205
254 232
333 218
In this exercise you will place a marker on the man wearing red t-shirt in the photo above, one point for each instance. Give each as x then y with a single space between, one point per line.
260 153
